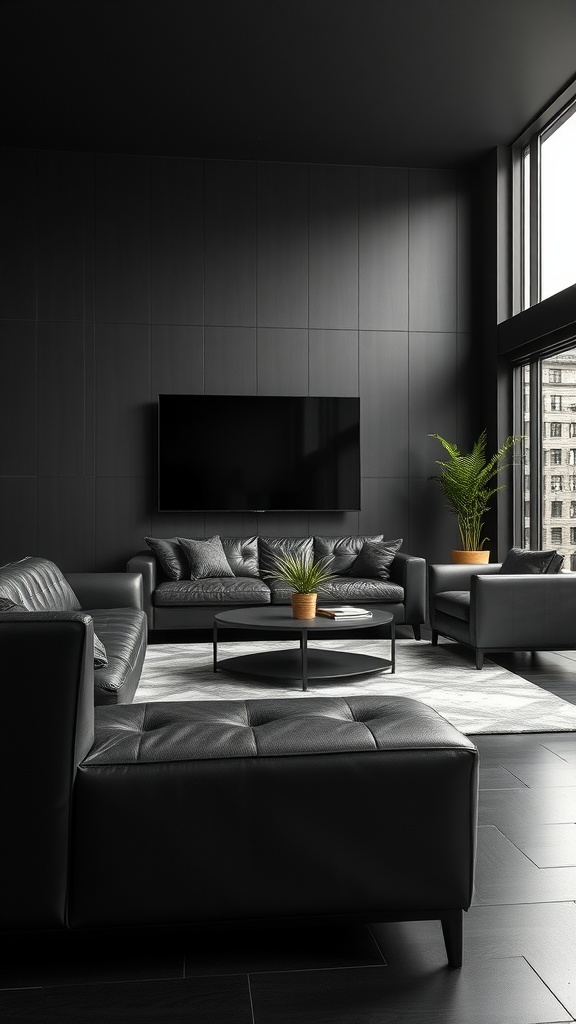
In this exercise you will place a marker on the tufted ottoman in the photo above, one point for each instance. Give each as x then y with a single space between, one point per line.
264 809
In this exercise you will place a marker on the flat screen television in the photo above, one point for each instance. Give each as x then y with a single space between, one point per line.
258 453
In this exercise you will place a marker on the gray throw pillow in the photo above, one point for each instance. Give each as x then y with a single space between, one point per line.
206 558
521 561
375 559
100 656
170 555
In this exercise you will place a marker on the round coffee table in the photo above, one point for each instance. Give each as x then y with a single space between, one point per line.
301 663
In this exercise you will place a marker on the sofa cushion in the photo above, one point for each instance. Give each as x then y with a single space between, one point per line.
375 559
242 555
224 590
455 603
521 561
206 558
270 548
123 633
343 549
171 556
343 590
38 585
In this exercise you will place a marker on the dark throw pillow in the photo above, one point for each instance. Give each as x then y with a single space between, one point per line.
206 558
374 560
170 555
8 605
520 561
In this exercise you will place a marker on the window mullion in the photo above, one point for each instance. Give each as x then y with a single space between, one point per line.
535 220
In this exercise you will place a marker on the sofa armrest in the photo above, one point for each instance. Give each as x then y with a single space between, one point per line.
524 611
107 589
145 563
409 571
453 577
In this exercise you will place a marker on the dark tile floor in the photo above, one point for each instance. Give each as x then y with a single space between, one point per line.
519 938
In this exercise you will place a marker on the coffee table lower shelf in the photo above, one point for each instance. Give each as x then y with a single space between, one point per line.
321 664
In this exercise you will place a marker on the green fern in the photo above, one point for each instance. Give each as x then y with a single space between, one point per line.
301 573
466 481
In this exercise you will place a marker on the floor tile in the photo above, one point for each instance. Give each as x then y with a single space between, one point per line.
547 846
505 991
541 776
527 806
70 959
505 875
497 777
225 1000
281 949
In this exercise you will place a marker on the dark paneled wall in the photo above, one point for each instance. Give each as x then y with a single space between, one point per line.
124 276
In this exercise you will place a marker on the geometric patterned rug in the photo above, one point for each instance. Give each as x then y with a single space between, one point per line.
444 677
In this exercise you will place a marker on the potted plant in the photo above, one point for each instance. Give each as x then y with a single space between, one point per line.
306 577
467 481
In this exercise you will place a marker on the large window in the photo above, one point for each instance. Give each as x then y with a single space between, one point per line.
549 453
548 205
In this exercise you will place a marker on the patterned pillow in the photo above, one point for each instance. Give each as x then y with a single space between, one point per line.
206 558
521 561
170 555
100 656
375 559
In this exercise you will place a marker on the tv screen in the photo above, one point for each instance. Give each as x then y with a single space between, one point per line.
258 453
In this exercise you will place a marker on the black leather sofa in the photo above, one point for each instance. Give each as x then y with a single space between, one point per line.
172 814
173 601
38 591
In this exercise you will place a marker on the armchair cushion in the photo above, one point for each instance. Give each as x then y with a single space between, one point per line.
522 561
100 657
455 603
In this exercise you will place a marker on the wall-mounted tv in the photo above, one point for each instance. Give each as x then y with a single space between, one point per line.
258 453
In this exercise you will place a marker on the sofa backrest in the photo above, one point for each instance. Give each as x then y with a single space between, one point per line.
38 585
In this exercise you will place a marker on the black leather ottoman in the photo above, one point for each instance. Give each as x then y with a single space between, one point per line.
309 808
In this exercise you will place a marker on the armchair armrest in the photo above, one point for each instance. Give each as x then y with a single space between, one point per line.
453 577
523 611
107 589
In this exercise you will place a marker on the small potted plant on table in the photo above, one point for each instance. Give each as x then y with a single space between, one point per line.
306 577
467 483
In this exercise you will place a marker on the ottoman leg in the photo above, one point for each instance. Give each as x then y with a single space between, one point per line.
452 924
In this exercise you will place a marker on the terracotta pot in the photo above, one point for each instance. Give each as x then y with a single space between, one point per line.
470 557
304 606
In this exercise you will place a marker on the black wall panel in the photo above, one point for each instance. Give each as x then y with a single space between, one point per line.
18 234
176 241
18 399
61 375
127 276
122 239
383 249
282 245
433 238
282 361
334 363
230 243
333 230
62 184
123 407
384 403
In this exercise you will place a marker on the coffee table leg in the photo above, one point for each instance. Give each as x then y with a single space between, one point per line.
393 646
215 646
304 651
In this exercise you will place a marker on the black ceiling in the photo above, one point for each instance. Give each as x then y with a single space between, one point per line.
395 82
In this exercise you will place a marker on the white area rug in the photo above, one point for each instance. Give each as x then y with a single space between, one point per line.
491 701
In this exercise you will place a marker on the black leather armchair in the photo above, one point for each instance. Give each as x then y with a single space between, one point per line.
478 606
